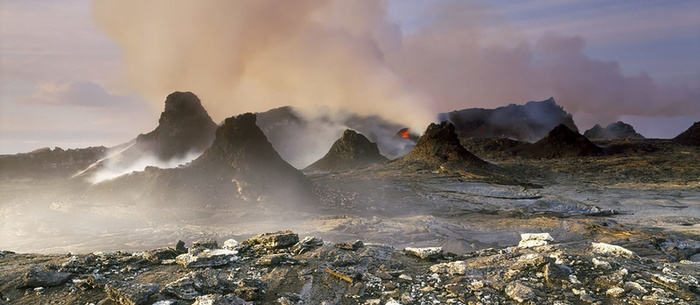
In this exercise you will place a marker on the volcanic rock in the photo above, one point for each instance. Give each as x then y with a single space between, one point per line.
43 278
617 130
351 151
439 147
529 122
689 137
559 142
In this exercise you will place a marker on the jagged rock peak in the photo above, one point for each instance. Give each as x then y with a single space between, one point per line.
440 145
353 150
617 130
239 140
689 137
183 126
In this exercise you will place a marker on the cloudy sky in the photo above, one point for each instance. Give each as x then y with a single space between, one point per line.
76 73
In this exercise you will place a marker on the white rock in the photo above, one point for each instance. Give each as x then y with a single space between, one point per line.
425 253
612 250
615 292
528 240
230 244
457 267
601 264
634 287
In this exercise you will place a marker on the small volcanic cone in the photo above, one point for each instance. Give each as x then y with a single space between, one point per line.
560 142
689 137
617 130
439 147
351 151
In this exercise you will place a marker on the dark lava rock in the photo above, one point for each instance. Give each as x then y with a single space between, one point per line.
439 147
199 283
43 278
351 151
560 142
689 137
529 122
125 293
617 130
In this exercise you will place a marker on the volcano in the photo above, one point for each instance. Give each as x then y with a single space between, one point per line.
560 142
439 147
184 128
352 151
239 166
617 130
529 122
689 137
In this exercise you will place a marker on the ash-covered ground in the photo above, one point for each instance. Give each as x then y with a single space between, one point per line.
619 217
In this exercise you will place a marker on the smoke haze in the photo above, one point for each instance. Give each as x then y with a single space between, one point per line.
255 55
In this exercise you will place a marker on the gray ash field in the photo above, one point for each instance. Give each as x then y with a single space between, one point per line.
617 220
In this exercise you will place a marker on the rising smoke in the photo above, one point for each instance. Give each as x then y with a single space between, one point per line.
255 55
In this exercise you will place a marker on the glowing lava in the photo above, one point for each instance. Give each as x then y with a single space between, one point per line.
405 133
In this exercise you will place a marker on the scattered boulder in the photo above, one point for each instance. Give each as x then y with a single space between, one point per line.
612 250
272 241
528 240
690 137
42 278
519 292
617 130
351 151
206 258
125 293
452 268
217 299
427 253
306 244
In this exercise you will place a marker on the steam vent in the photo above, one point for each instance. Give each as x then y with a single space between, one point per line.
351 151
689 137
439 147
184 127
561 142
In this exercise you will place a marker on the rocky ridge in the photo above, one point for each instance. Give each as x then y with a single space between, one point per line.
617 130
280 268
352 151
529 122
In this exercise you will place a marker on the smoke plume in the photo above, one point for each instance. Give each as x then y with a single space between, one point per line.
255 55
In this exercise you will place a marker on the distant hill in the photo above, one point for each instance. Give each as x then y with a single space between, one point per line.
529 122
617 130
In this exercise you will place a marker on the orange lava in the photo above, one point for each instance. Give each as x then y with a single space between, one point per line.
405 133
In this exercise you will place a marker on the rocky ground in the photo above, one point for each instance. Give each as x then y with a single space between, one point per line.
279 268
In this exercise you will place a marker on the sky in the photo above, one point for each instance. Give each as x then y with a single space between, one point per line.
80 73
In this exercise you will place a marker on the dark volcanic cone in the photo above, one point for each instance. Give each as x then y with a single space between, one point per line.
242 159
439 147
560 142
184 127
617 130
689 137
351 151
